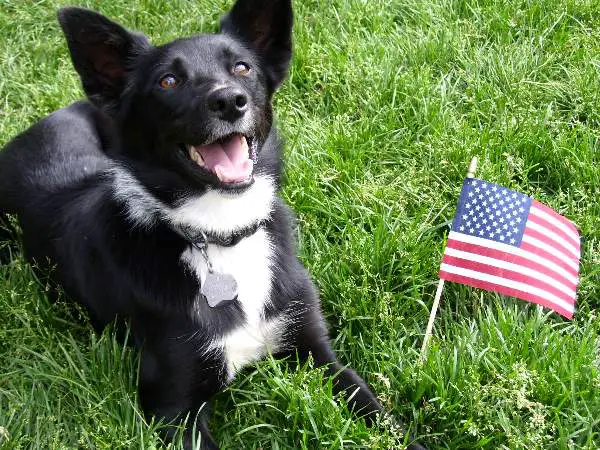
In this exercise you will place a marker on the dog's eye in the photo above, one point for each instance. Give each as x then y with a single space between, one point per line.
168 81
241 69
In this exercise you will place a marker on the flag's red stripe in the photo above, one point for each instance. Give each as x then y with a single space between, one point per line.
509 275
550 226
515 259
549 256
553 213
551 242
504 290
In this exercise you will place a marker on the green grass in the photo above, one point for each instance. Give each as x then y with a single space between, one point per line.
385 106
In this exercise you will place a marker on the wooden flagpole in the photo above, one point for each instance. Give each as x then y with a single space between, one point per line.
440 288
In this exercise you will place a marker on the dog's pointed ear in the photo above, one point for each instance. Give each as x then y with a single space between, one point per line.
266 26
102 52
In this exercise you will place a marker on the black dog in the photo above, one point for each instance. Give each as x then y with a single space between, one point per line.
156 202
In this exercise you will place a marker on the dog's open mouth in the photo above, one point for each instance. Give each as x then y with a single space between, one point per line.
231 159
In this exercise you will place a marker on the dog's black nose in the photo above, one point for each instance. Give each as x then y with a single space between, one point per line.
228 103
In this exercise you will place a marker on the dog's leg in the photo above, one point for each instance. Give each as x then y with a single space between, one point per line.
170 393
177 381
313 339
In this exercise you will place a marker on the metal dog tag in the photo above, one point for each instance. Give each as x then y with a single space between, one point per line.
218 288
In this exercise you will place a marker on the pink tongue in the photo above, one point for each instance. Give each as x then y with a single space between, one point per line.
229 160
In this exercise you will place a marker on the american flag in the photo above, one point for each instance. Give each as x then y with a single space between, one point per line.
504 241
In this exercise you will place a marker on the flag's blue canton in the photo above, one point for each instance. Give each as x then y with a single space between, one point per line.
490 211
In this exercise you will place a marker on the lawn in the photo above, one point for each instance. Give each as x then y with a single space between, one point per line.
386 103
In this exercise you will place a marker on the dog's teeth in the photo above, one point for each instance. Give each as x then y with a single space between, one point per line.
244 143
196 157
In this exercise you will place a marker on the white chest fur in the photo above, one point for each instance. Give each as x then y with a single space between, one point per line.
250 264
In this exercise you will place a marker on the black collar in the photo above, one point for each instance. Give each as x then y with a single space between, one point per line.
200 238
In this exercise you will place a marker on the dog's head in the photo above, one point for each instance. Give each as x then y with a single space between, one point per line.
199 106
